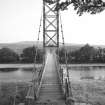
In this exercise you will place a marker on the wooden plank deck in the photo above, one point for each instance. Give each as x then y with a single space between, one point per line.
51 88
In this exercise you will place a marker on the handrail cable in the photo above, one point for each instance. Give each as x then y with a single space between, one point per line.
66 60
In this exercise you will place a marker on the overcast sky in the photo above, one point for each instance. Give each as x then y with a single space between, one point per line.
19 21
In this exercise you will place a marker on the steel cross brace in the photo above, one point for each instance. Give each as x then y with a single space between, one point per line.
50 25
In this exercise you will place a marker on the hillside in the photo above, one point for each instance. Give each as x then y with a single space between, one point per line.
19 46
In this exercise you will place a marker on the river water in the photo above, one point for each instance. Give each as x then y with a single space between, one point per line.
87 72
76 73
15 75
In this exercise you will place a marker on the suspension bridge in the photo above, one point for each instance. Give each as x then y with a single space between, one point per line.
48 86
51 87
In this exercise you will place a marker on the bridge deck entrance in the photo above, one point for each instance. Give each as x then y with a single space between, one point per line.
51 88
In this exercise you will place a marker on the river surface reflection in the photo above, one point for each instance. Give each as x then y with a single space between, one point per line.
87 72
16 75
76 73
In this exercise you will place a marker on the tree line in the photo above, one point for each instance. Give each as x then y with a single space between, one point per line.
7 55
86 54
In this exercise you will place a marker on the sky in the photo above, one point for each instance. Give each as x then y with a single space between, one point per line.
20 20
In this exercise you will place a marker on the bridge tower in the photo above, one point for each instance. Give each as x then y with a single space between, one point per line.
50 23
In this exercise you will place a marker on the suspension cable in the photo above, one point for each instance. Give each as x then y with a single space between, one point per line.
66 55
35 58
62 30
66 60
39 27
36 52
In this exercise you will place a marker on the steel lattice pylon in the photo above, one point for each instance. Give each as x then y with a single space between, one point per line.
50 23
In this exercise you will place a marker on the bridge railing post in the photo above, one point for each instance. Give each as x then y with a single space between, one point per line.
68 93
61 75
34 88
39 80
66 88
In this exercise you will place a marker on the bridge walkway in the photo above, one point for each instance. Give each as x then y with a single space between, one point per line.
51 88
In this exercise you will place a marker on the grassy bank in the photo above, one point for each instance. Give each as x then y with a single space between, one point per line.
93 90
8 91
89 91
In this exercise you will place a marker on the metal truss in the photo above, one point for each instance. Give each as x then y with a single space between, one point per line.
50 24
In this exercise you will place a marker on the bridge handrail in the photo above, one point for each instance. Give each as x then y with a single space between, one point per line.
40 77
60 73
66 86
39 81
36 83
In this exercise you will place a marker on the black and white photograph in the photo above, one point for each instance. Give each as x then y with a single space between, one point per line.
52 52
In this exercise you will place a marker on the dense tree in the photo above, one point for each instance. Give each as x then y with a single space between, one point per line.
100 55
28 55
82 6
8 56
86 54
62 55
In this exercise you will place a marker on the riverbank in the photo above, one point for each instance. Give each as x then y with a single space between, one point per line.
83 91
8 91
38 65
19 65
89 91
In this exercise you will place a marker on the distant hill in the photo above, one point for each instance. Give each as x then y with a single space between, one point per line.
73 47
19 46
